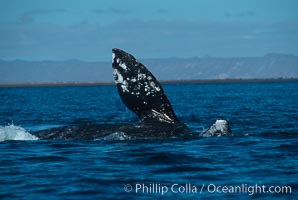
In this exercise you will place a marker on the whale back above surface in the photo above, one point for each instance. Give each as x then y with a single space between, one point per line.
142 94
140 91
112 131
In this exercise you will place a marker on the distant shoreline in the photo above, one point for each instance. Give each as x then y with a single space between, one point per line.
49 84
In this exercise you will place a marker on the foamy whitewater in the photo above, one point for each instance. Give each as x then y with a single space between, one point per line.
12 132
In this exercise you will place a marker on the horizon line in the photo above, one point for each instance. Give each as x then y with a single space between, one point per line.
173 57
170 82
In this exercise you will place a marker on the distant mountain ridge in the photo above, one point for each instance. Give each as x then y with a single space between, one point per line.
268 66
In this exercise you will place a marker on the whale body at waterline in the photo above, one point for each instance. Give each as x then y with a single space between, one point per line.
141 92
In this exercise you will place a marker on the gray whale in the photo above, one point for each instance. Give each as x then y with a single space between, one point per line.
142 94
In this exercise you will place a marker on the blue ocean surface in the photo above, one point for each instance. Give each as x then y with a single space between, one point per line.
258 162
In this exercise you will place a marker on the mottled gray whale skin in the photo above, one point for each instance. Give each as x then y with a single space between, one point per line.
140 91
142 94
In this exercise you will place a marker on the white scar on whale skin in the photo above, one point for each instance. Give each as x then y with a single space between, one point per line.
123 66
124 86
151 88
113 57
119 76
163 117
141 76
121 81
152 84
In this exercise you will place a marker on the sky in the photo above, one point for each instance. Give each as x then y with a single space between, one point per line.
88 29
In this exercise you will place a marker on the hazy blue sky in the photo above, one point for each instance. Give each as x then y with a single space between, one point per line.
89 29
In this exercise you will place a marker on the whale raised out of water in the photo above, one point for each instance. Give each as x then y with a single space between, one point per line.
142 94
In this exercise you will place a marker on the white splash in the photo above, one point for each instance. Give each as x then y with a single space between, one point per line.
117 136
219 128
12 132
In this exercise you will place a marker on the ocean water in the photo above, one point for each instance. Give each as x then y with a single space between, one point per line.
258 162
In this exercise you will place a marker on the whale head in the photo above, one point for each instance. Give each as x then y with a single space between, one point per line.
140 91
122 64
121 60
